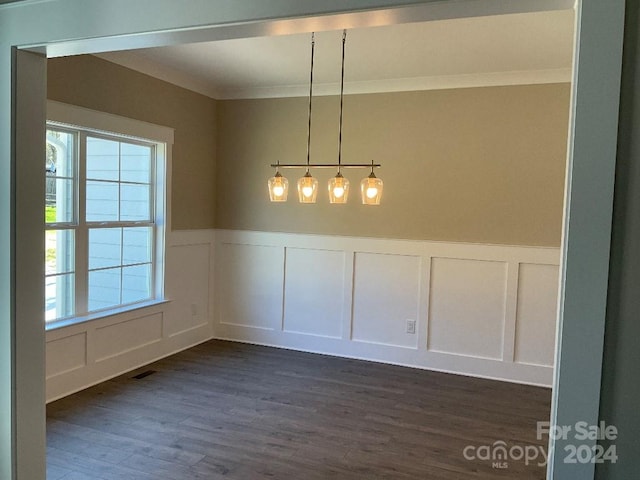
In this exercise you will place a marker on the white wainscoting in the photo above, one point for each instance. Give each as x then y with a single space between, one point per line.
481 310
87 353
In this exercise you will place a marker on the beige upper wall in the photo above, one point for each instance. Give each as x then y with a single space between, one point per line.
93 83
471 165
467 165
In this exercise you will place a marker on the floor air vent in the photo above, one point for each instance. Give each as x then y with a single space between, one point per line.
142 375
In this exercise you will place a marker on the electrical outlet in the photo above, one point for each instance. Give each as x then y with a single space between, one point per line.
411 326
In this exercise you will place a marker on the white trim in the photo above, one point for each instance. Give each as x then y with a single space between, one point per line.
590 179
87 119
440 249
26 303
443 82
131 307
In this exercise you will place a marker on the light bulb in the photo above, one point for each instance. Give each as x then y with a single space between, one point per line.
307 189
278 188
371 189
338 189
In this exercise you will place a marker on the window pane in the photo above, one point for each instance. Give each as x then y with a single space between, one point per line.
118 187
135 163
105 247
136 245
135 204
60 148
59 204
59 251
59 296
103 159
104 288
102 201
136 283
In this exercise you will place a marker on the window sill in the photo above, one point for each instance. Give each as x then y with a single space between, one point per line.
67 322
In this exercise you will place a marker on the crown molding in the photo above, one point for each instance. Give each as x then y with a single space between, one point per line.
442 82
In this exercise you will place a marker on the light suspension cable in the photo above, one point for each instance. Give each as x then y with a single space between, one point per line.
313 47
344 41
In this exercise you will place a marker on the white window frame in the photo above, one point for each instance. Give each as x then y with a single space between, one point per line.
86 122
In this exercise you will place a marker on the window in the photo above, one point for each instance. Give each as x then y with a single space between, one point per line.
104 241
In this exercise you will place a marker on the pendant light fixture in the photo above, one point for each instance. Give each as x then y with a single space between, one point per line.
278 187
338 185
307 185
371 189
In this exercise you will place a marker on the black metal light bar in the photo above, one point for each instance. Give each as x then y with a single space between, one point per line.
326 165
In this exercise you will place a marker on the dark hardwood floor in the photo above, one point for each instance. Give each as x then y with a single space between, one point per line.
236 411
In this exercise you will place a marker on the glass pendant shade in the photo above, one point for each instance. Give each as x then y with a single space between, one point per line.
278 188
371 189
307 189
338 189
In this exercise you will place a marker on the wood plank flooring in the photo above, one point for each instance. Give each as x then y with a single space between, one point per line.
226 410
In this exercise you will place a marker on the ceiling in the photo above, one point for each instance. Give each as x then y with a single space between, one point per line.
495 50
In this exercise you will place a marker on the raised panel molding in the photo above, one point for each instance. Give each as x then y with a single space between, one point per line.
66 354
126 336
535 314
314 292
189 293
467 307
386 294
250 279
351 297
